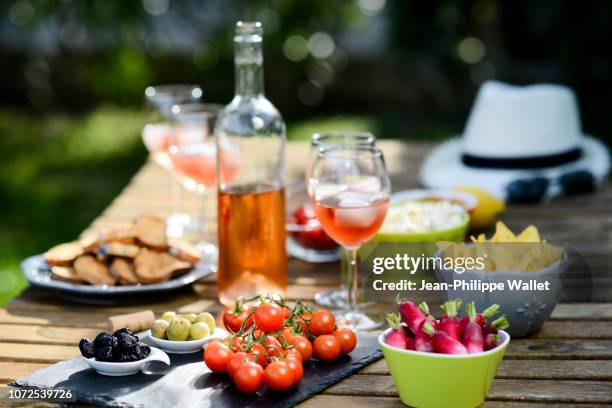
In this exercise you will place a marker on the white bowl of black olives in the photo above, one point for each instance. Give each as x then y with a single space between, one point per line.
118 354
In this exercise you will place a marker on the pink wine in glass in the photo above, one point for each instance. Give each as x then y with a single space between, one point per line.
157 139
351 217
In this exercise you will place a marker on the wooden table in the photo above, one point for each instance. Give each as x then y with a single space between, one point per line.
569 362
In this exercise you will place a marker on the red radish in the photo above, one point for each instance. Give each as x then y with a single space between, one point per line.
481 318
422 340
473 339
500 323
411 315
442 342
449 323
396 337
491 341
410 343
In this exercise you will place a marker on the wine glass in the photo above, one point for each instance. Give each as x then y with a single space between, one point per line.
349 190
193 154
156 136
337 298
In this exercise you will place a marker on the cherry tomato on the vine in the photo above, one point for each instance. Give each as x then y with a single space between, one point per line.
326 348
302 345
236 361
347 339
249 378
278 376
259 354
269 317
322 322
234 343
293 353
216 356
233 318
273 346
296 366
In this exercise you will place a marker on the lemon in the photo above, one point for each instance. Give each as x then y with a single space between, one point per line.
488 209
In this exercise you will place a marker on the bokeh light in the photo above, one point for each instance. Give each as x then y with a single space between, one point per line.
295 48
371 7
471 50
321 45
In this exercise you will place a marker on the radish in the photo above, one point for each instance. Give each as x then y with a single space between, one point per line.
423 340
449 323
396 337
501 323
411 315
473 339
442 342
481 318
491 341
410 343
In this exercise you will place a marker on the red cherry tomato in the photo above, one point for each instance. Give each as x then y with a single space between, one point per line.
234 343
293 353
286 312
249 378
236 361
302 345
259 354
278 376
296 366
322 322
216 357
287 333
233 318
273 347
326 348
347 339
269 317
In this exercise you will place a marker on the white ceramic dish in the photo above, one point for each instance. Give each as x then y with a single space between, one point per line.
187 346
122 369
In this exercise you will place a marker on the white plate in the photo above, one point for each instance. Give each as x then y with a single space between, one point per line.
187 346
121 369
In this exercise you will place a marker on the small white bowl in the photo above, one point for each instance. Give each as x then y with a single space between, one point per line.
187 346
121 369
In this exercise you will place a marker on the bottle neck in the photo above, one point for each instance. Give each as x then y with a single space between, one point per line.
249 68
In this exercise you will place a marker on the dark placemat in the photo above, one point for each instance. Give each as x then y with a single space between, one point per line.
191 384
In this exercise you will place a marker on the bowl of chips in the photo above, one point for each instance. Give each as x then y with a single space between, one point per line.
522 273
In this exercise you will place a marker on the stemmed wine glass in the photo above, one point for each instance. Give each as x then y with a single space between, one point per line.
337 298
156 136
194 156
349 190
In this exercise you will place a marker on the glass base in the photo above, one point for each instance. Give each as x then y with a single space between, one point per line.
176 223
335 299
356 321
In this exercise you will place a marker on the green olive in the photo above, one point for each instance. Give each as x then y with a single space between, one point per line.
168 316
159 327
190 316
207 318
178 329
199 331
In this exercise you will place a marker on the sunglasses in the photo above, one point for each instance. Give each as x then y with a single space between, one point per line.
533 190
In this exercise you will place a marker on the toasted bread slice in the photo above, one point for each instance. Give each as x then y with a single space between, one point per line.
119 249
123 270
63 254
93 271
92 241
65 274
154 267
184 251
151 231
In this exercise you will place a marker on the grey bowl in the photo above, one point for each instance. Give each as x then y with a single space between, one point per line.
526 310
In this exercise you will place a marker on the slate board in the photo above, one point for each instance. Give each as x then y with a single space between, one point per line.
191 384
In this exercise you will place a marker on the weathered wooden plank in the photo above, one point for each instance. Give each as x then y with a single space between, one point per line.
501 389
34 353
563 349
575 330
10 371
335 401
583 311
534 369
45 334
66 319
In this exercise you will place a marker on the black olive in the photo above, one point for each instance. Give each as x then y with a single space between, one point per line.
126 341
86 347
103 353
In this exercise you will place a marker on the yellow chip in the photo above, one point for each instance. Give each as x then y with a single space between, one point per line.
529 234
502 233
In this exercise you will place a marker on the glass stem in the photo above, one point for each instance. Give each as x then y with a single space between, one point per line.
352 278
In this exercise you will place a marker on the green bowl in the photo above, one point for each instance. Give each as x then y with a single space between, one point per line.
455 234
442 380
